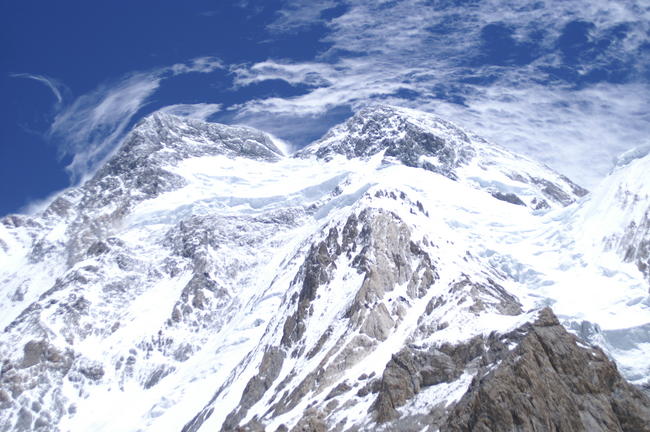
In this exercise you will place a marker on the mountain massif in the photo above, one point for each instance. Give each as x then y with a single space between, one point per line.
399 274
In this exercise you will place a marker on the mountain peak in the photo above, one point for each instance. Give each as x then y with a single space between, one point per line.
616 217
418 139
192 137
162 140
400 132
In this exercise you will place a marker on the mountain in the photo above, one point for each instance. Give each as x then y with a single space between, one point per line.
417 139
400 273
617 216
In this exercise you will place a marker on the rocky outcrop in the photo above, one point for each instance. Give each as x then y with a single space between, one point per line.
537 377
142 169
550 382
431 143
30 388
406 374
316 271
382 128
256 387
635 244
378 245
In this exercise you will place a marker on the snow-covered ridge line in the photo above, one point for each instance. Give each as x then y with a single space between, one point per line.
424 140
202 280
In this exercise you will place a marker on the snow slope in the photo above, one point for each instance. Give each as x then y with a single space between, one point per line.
204 280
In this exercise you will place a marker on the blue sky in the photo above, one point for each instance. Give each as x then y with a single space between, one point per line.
564 81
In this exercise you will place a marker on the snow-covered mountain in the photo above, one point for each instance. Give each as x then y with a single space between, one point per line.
396 275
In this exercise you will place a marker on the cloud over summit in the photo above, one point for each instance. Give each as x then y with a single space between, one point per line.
563 81
91 127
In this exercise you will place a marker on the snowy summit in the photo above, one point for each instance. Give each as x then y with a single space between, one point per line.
400 273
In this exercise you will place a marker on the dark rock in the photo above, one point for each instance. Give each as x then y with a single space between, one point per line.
256 387
366 134
33 353
98 248
554 192
485 295
576 189
548 382
315 271
198 420
312 421
24 422
542 204
159 373
406 373
508 197
338 390
91 370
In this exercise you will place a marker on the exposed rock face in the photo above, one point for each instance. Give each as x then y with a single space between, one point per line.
382 129
550 382
559 383
406 374
536 377
163 140
83 301
140 170
257 386
379 246
34 383
636 242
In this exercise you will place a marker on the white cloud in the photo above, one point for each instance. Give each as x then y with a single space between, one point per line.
299 14
423 54
200 64
296 132
36 206
577 132
92 126
53 84
200 111
311 74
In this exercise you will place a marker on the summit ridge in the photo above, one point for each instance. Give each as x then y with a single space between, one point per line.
400 273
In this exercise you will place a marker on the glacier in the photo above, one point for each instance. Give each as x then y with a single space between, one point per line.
205 280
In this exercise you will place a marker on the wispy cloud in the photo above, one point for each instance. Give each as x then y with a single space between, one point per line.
298 14
53 84
564 81
577 132
311 74
92 126
199 111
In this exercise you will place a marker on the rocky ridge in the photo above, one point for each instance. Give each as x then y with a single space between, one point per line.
190 285
416 139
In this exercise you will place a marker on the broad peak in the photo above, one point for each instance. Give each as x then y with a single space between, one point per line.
423 140
161 141
180 138
402 133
